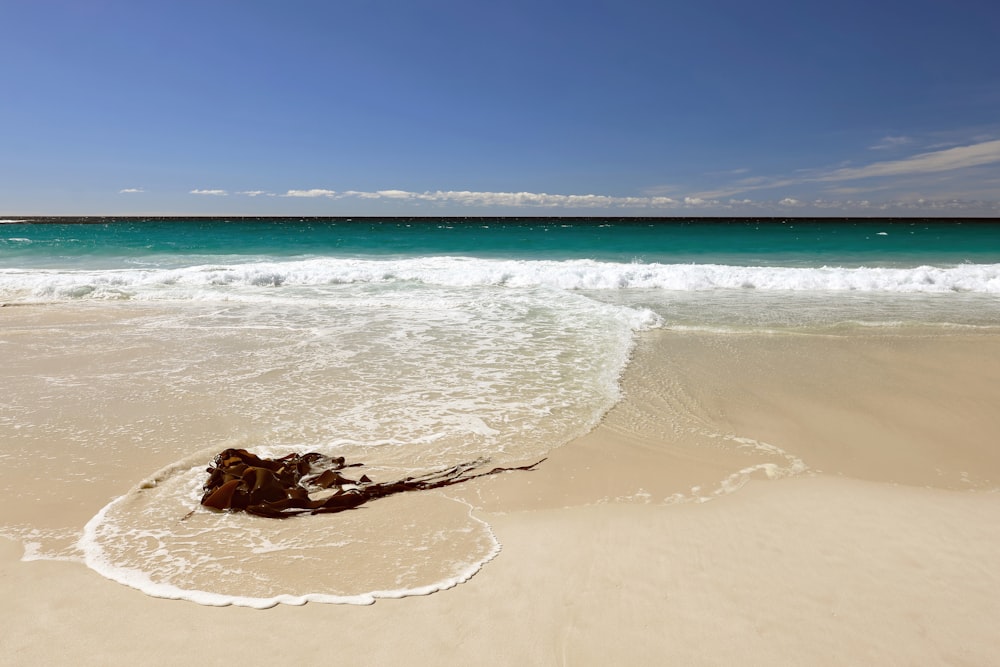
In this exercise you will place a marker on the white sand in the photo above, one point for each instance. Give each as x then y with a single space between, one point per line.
814 571
844 567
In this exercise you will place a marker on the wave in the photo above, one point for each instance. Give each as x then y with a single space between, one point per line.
469 272
132 548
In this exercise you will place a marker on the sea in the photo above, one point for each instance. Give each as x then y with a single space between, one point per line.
134 349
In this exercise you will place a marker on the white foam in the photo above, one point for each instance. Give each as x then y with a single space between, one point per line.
38 544
262 278
98 559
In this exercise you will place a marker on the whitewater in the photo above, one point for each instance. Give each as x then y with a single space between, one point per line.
582 274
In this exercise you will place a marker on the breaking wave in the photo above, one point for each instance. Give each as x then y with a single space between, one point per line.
202 280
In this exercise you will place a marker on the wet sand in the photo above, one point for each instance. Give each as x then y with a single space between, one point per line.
754 499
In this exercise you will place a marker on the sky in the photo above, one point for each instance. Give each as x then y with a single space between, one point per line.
547 107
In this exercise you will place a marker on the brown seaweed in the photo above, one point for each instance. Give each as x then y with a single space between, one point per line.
302 483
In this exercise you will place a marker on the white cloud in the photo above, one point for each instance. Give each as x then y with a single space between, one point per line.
360 195
891 142
216 193
987 152
129 191
517 199
253 193
902 204
746 185
491 199
310 193
932 162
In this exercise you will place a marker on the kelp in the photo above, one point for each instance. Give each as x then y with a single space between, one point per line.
312 483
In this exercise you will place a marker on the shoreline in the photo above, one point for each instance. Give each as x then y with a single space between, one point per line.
609 553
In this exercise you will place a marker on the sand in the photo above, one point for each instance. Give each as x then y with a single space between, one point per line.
754 499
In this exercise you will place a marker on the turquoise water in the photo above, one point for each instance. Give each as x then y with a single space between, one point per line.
712 273
738 242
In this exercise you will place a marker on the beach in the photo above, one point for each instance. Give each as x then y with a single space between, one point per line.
754 497
510 334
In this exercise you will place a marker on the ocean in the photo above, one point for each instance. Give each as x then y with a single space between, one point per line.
135 349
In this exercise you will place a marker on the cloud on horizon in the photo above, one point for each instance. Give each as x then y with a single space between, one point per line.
491 199
935 179
940 161
913 204
309 193
949 159
130 191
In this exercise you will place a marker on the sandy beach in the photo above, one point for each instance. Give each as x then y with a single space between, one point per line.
439 334
754 499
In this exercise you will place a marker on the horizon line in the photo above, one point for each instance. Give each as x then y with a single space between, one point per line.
99 218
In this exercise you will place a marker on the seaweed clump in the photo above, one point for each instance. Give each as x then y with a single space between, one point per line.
311 483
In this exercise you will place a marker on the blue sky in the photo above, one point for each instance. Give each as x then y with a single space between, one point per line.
715 107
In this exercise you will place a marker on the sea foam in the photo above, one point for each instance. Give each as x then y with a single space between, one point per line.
107 538
203 280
